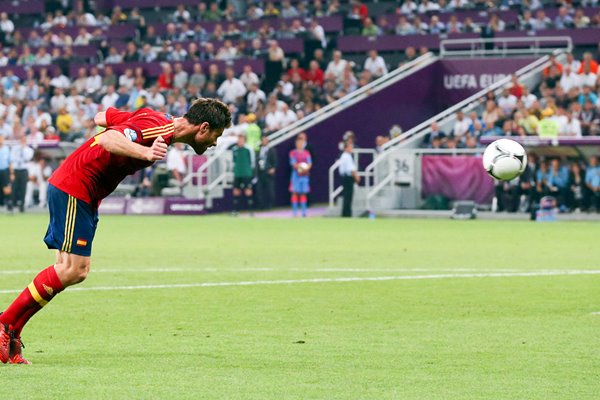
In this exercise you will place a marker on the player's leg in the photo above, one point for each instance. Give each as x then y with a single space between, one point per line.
294 201
71 230
70 270
304 189
237 193
249 196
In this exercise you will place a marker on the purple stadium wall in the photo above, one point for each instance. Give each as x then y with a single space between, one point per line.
407 103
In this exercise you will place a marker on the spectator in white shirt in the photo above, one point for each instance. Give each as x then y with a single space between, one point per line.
127 79
232 88
154 98
288 10
572 62
176 162
461 126
42 118
80 83
254 97
375 64
336 66
427 5
587 77
572 127
113 56
569 79
6 25
94 82
507 102
110 98
248 77
58 101
273 119
181 15
288 116
180 77
528 98
147 54
316 32
60 81
59 19
408 7
83 38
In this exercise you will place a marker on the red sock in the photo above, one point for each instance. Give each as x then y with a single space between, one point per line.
44 287
294 198
303 198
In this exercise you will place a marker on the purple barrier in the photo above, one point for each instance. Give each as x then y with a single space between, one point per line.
483 16
359 44
151 206
329 24
113 205
479 17
175 206
461 78
22 7
121 31
154 69
537 141
20 71
457 178
295 46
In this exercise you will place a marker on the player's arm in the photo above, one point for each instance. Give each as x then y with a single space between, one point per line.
114 142
100 119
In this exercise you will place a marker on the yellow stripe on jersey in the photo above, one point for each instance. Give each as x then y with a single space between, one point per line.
36 295
157 128
157 134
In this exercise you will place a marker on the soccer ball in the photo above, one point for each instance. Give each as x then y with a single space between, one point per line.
302 167
504 159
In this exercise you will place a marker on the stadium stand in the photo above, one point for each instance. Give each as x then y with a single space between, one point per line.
74 58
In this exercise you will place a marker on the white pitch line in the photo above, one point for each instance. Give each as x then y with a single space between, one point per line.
169 270
328 280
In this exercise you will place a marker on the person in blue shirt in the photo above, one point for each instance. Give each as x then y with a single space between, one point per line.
592 183
558 182
5 175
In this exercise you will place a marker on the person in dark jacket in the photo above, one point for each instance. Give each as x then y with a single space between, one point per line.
267 165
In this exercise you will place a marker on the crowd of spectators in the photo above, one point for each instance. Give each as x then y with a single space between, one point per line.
564 105
575 184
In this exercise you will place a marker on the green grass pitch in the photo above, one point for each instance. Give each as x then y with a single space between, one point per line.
440 336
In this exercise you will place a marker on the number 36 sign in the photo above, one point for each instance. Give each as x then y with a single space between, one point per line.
403 167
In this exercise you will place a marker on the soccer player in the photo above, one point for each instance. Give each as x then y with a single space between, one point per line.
301 163
130 142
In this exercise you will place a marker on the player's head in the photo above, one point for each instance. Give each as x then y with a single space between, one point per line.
207 118
241 140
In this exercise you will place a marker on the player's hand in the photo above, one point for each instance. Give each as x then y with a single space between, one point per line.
158 151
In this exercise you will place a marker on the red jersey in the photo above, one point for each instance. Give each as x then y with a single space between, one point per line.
91 173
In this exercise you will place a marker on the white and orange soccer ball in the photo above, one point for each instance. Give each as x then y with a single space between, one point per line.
504 159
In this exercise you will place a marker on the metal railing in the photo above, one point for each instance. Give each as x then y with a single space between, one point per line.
504 46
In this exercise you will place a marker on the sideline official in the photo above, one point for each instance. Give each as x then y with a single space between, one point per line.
349 177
